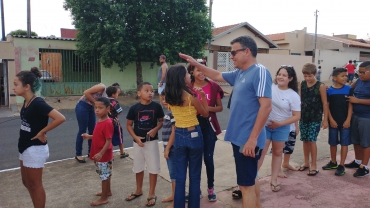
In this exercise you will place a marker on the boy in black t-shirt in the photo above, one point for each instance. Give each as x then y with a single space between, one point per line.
340 113
115 110
147 118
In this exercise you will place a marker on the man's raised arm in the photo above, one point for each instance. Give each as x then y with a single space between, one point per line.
211 73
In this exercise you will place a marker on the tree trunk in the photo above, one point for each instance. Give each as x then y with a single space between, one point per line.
139 73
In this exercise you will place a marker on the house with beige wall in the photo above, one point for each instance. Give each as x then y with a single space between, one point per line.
270 54
331 51
222 36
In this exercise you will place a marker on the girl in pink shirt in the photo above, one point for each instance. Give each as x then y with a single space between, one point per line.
210 126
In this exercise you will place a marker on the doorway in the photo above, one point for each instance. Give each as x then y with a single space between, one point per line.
3 84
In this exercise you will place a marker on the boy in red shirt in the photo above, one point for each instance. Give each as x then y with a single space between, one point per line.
351 71
101 148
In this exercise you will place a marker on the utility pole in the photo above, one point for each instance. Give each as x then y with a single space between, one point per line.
210 20
314 50
2 21
29 18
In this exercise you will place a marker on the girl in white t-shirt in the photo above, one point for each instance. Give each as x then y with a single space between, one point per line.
286 107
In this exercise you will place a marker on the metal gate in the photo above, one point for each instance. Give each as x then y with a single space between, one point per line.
66 74
224 64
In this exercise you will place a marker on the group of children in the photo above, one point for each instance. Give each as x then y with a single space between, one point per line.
344 109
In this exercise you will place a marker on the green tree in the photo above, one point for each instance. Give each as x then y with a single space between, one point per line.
21 32
126 31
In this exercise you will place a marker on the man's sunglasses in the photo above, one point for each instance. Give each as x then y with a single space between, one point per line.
234 52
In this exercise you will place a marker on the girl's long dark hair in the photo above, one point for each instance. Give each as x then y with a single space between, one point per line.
175 85
291 74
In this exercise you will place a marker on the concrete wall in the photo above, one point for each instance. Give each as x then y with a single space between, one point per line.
6 50
279 51
127 78
296 41
226 39
322 43
329 59
273 62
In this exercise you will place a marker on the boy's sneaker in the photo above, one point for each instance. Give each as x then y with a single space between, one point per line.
330 166
211 195
353 164
187 196
340 170
361 172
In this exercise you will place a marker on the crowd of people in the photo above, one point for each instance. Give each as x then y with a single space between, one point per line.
263 111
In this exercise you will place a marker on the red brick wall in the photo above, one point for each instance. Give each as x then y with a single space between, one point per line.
68 33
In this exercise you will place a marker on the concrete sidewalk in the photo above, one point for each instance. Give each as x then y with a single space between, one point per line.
71 184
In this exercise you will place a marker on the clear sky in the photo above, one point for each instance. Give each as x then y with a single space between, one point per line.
267 16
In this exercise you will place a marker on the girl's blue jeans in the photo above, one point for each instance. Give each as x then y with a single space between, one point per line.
188 152
86 120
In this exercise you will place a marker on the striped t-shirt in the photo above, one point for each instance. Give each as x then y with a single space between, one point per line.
168 122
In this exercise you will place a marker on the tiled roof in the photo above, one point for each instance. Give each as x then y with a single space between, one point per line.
362 41
219 30
277 36
351 43
47 38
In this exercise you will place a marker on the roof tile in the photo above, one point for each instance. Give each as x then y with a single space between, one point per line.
277 36
219 30
352 43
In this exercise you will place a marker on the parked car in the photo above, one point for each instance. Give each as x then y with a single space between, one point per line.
46 76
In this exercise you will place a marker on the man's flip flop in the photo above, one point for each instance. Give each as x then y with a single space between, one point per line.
149 199
312 172
237 194
302 168
132 195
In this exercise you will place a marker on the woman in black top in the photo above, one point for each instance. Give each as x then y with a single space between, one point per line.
32 144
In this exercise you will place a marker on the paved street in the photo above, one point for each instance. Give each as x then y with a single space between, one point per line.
61 140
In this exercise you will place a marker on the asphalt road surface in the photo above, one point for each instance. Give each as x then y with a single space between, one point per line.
62 140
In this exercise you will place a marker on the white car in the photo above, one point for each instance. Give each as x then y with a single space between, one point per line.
46 76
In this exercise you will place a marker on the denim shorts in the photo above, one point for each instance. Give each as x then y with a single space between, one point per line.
171 162
309 131
104 169
350 77
279 134
339 136
246 167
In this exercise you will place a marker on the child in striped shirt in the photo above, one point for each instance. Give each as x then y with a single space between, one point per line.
168 138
